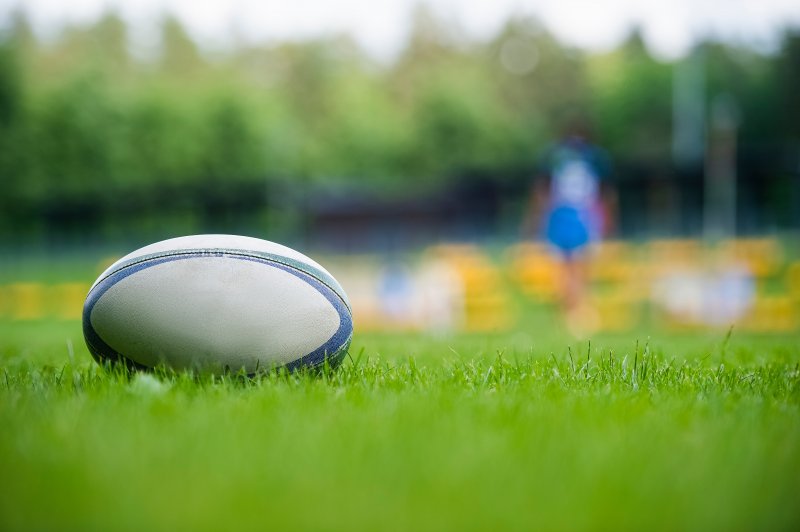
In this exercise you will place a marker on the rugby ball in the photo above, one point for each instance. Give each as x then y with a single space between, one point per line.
217 303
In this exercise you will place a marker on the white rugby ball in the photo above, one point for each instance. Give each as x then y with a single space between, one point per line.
217 303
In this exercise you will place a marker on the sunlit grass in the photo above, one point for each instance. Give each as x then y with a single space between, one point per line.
410 433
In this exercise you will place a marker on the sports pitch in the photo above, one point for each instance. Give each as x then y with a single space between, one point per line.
527 429
521 431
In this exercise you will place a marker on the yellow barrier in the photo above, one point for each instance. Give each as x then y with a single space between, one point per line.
535 270
27 301
612 262
772 314
793 280
67 300
620 275
616 312
35 301
762 256
487 305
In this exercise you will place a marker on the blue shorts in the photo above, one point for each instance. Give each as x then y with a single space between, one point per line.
568 229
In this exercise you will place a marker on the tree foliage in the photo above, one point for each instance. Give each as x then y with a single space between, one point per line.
88 128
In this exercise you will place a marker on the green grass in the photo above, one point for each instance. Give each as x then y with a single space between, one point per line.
411 433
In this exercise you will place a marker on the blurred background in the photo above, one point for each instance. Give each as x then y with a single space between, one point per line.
398 143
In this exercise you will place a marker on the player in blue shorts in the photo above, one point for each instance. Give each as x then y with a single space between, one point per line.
574 211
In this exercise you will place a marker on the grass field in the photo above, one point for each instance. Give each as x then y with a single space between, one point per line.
519 431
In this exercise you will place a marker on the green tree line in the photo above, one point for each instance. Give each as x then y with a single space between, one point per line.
91 134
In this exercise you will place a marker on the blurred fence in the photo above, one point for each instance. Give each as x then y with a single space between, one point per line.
752 284
677 283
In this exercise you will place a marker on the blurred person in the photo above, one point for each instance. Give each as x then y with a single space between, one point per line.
573 206
396 291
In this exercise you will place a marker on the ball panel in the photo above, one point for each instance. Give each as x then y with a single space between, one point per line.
321 275
217 243
199 242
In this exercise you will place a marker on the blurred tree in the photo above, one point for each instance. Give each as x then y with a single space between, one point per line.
20 35
90 133
232 149
539 82
750 81
98 49
631 101
432 44
538 75
456 120
162 144
109 42
366 133
180 57
76 134
787 82
10 86
11 126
